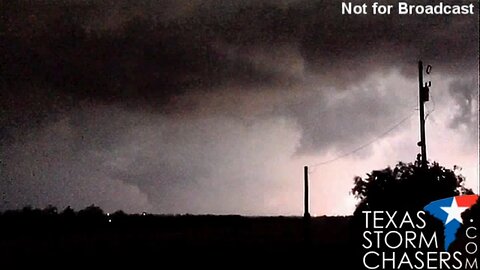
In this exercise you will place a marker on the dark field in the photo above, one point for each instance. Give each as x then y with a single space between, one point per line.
177 239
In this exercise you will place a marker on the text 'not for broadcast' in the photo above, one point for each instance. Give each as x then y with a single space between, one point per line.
404 8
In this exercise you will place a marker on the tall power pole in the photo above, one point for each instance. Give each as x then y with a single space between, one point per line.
423 95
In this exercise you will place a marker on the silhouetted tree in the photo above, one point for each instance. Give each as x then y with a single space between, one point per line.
119 213
68 212
27 209
50 210
91 211
407 186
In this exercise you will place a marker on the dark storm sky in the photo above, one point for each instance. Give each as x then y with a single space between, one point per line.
215 106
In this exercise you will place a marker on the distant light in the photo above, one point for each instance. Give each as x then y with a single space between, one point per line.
108 214
144 214
110 221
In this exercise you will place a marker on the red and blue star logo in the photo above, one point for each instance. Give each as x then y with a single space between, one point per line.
449 211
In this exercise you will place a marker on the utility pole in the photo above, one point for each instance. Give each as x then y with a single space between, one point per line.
423 94
306 213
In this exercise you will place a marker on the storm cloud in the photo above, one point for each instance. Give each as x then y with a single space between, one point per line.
170 105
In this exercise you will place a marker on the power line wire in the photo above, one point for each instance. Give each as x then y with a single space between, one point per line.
362 146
